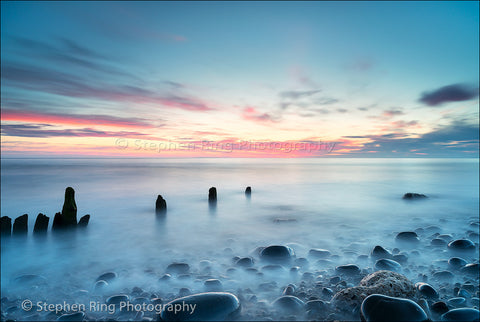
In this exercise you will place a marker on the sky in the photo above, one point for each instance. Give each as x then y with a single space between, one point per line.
240 79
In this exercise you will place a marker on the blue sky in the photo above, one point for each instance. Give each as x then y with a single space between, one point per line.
393 79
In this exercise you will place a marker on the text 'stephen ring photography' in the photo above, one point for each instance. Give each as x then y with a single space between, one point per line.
240 161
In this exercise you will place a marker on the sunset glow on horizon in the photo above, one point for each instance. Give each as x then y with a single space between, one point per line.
241 79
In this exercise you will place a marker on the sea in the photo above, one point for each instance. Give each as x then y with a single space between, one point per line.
344 205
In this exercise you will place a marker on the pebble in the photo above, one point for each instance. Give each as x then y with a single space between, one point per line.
289 303
426 290
178 268
400 258
463 314
213 285
456 262
471 269
439 307
437 242
165 277
379 252
319 253
30 280
457 301
277 253
385 308
210 306
244 262
388 264
289 290
443 275
100 285
116 299
463 245
349 269
407 236
107 277
315 305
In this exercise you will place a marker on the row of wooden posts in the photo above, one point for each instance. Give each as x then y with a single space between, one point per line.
161 204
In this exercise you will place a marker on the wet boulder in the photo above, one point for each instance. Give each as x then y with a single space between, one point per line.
461 245
378 252
388 265
178 268
378 307
288 304
277 253
462 314
407 237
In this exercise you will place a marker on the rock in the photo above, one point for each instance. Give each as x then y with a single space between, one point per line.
388 264
381 282
456 262
316 305
443 275
407 236
41 224
69 210
6 225
461 245
165 278
210 306
30 280
117 299
212 194
289 290
471 269
213 285
457 302
439 307
58 221
463 314
379 252
385 308
83 222
184 291
100 285
349 270
248 191
426 290
160 205
438 242
78 316
400 258
20 225
277 253
288 304
244 262
413 196
178 268
319 253
108 277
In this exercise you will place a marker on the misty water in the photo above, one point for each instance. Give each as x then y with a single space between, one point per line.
344 205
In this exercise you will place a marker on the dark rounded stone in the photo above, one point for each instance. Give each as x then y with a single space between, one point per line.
210 306
83 222
388 265
443 275
213 285
178 268
319 253
289 290
165 278
349 269
407 236
379 252
100 285
378 307
302 262
462 245
471 269
463 314
117 299
400 258
437 242
184 291
245 262
439 307
426 290
457 301
456 262
413 196
30 279
289 303
78 316
108 277
277 253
